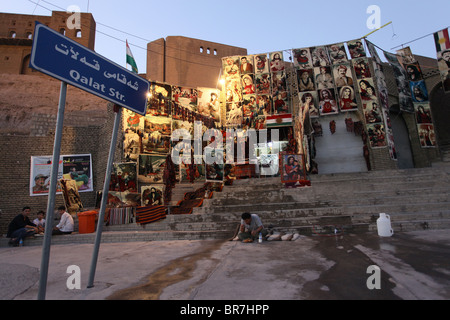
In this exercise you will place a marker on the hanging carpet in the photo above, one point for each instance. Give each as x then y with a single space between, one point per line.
193 199
117 216
149 214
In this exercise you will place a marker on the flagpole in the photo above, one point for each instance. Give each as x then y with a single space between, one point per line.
377 29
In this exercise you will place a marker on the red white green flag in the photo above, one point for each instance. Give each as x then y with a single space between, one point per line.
130 59
442 40
281 120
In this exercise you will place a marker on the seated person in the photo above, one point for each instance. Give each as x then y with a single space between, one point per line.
21 227
251 227
40 221
65 225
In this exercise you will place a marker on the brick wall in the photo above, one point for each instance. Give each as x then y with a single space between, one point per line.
187 62
16 155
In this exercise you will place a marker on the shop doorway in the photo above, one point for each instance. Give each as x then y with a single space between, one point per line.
401 141
341 152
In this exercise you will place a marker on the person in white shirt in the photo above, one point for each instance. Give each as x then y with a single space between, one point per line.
251 227
40 221
65 225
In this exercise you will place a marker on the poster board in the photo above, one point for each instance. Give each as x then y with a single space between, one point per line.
293 168
71 167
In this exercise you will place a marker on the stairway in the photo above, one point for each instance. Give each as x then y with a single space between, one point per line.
415 199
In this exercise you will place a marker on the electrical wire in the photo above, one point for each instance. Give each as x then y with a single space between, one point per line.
178 49
130 43
427 35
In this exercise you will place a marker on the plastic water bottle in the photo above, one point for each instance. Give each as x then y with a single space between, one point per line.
21 243
260 238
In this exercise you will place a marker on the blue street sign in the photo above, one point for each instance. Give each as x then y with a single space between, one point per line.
62 58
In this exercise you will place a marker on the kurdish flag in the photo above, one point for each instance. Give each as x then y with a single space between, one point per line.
281 120
442 40
130 59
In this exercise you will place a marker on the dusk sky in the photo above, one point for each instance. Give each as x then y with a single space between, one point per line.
260 26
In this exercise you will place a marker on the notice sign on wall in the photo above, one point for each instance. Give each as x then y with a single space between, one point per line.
71 167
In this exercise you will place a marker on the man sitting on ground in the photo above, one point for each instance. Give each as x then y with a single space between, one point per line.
21 227
65 225
251 227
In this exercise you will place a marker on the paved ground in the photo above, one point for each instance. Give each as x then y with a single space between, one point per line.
414 265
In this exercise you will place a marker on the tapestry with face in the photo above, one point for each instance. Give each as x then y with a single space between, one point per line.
309 103
302 58
264 104
249 110
347 99
320 57
327 102
343 75
427 136
261 63
362 69
246 65
356 49
323 78
276 61
305 80
337 53
208 103
152 195
230 67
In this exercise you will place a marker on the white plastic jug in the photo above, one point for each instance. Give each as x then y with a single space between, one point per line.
384 225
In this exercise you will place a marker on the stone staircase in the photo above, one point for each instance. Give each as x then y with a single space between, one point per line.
415 199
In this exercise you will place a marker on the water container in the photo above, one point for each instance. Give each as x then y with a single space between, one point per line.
384 225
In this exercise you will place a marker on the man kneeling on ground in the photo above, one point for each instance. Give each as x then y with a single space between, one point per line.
251 227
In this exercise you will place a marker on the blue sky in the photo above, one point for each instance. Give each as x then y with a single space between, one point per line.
260 26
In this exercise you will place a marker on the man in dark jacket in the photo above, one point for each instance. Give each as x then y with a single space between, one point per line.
21 227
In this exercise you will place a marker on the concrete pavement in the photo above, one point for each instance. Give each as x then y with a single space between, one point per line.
413 266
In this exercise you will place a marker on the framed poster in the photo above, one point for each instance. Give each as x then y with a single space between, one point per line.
71 167
124 177
292 168
209 103
151 168
214 166
152 195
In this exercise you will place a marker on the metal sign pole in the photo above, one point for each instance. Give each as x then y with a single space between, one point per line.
98 236
52 193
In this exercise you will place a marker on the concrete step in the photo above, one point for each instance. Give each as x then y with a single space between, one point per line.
415 199
282 200
126 236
